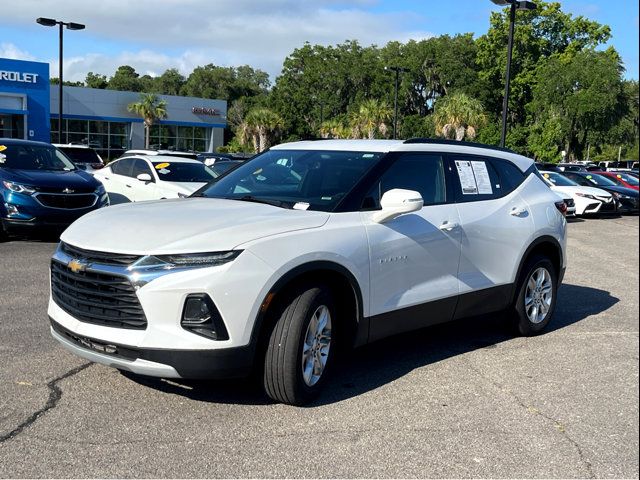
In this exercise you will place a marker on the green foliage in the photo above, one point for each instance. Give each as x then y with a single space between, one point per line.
458 116
95 80
584 92
227 83
125 79
260 128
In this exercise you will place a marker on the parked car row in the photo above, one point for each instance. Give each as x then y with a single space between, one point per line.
596 192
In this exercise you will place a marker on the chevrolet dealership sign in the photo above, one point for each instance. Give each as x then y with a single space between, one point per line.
22 77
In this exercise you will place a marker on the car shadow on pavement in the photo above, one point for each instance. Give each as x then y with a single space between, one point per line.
380 363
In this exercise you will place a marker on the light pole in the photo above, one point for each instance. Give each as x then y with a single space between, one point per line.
398 70
515 5
50 22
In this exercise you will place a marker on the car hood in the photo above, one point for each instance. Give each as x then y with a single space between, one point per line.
183 187
572 190
621 190
189 225
75 179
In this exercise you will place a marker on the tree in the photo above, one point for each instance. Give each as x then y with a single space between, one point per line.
95 80
584 92
169 83
458 116
371 119
125 79
539 34
261 127
150 108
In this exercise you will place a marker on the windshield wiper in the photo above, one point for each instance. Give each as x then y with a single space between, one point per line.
251 198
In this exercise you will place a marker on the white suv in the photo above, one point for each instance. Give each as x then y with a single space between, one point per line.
305 248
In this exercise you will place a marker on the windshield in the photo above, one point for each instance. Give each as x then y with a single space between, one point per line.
600 180
558 180
184 172
34 157
630 179
221 167
302 179
81 155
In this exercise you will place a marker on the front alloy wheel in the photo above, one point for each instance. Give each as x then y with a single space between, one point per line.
315 349
539 295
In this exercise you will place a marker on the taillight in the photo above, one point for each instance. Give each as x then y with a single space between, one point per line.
97 166
562 207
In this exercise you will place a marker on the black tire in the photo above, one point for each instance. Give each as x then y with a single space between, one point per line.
522 322
3 233
283 378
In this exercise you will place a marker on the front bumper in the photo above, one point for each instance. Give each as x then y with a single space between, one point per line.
163 347
165 363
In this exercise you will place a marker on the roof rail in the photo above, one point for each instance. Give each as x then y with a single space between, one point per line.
442 141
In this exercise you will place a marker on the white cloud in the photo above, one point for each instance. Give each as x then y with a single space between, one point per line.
223 32
9 50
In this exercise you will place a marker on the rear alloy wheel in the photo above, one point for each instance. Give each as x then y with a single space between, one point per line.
536 300
299 353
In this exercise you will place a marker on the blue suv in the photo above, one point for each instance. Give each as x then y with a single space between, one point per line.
40 187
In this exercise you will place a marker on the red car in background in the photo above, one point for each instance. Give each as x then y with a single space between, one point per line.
622 179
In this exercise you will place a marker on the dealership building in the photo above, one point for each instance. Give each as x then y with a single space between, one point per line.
100 118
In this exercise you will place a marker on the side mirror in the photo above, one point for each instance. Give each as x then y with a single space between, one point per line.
144 177
397 202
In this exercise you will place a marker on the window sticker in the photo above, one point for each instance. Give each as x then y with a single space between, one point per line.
3 148
482 177
546 175
467 179
164 171
162 166
301 206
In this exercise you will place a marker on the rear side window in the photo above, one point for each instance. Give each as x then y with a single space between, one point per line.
484 178
423 173
510 175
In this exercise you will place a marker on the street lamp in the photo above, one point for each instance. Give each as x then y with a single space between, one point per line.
515 5
50 22
398 70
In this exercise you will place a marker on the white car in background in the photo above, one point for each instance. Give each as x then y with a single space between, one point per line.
588 200
139 178
83 156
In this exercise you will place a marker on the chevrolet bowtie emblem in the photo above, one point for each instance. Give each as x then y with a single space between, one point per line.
77 266
67 190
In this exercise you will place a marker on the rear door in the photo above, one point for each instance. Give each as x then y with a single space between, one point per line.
496 226
414 257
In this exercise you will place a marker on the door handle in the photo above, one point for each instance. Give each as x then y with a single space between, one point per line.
448 226
106 178
517 211
128 185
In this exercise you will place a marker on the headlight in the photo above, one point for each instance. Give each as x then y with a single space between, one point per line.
189 260
18 187
585 195
626 197
100 190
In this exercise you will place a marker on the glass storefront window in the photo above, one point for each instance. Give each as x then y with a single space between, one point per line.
200 132
98 127
78 126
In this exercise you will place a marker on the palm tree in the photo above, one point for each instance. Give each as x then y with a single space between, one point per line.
371 119
334 128
458 116
150 108
261 127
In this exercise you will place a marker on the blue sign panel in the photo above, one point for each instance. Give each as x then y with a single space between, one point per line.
24 90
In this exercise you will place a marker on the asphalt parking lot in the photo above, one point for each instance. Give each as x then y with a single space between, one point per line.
460 400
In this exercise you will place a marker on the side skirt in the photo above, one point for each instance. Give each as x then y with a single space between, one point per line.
470 304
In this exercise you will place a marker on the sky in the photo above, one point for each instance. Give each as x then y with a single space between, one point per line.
154 35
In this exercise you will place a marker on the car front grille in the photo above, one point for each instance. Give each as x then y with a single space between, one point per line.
103 258
67 202
98 298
